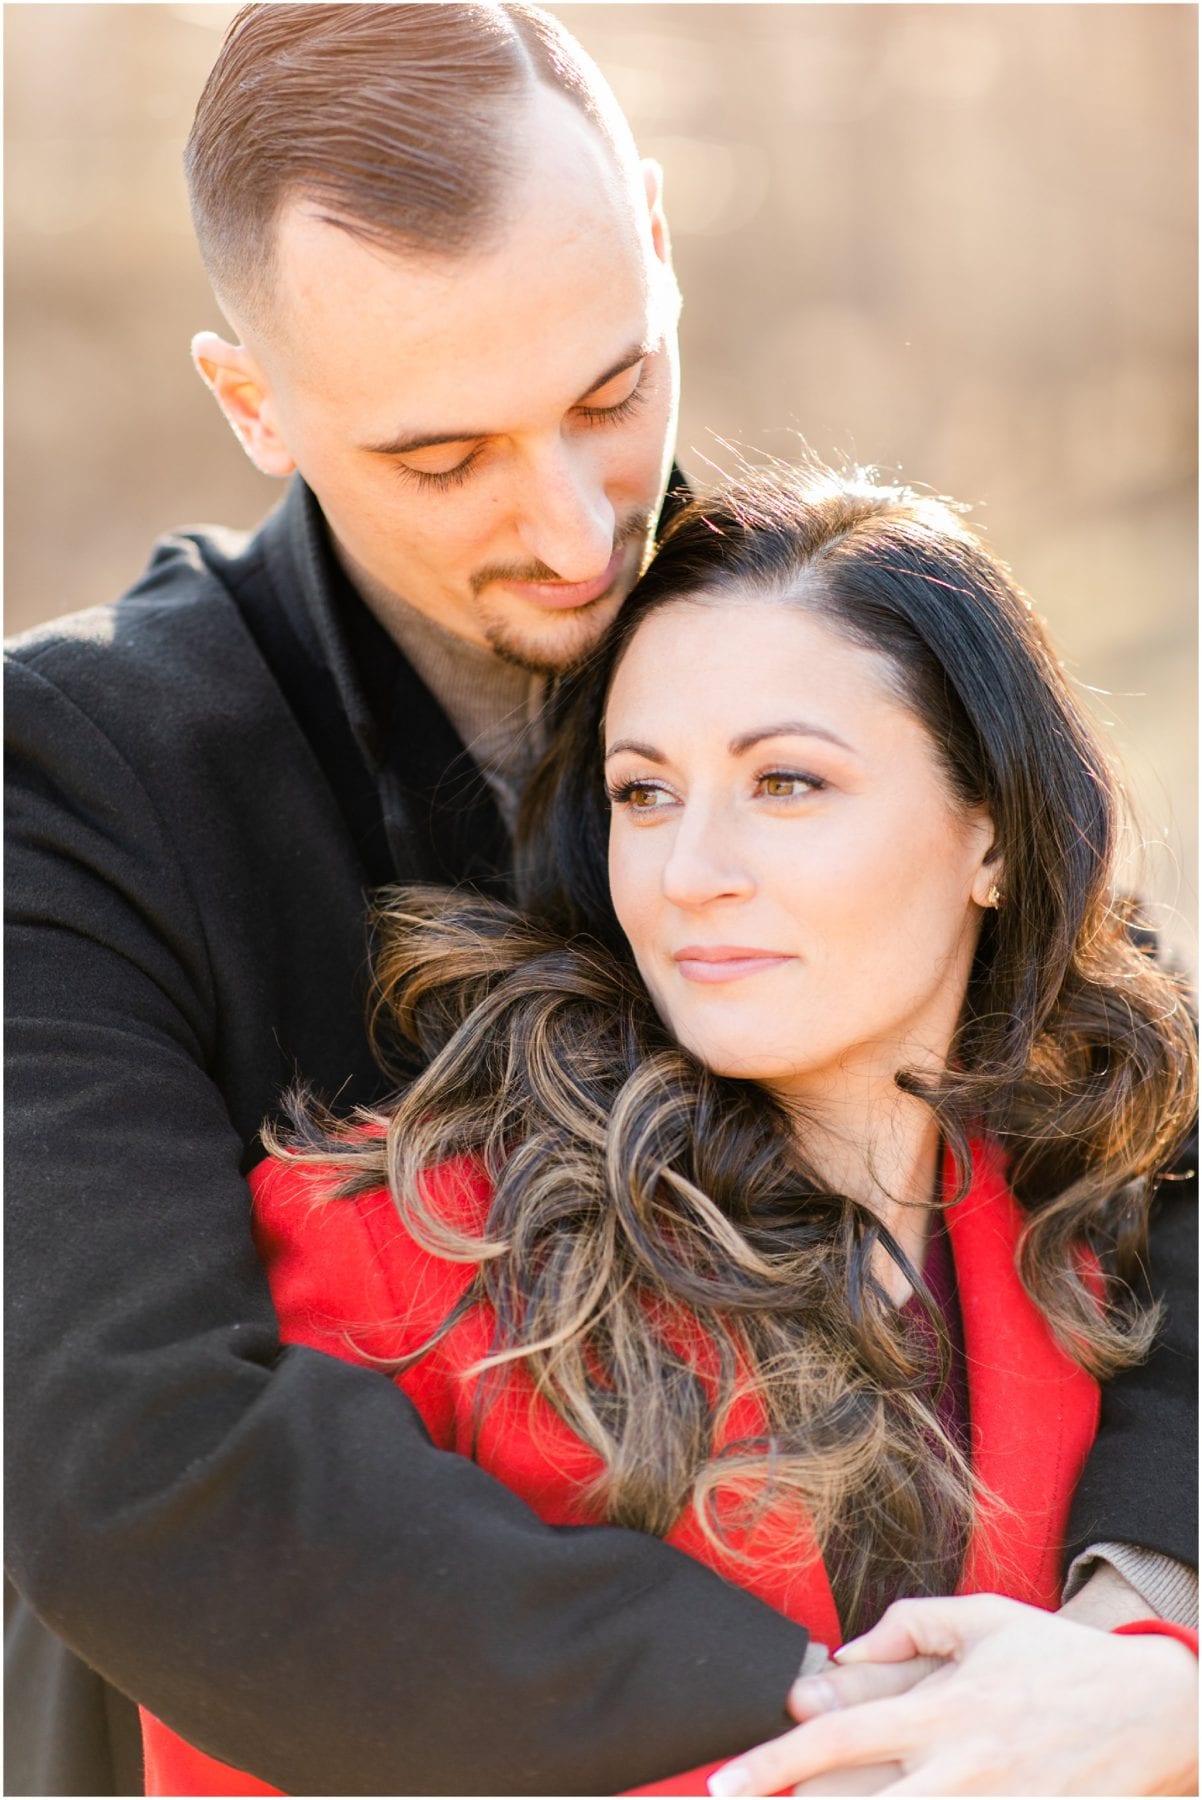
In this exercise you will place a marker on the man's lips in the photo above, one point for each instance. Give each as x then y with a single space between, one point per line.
563 595
726 962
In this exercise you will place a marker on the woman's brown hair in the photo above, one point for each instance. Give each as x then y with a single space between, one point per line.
632 1186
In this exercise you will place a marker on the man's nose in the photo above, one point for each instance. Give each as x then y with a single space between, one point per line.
566 521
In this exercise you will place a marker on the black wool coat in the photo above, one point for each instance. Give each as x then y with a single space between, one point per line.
257 1541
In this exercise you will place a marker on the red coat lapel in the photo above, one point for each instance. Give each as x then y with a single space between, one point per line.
1034 1412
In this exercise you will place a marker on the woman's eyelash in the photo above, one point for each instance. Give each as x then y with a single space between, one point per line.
814 783
592 415
621 793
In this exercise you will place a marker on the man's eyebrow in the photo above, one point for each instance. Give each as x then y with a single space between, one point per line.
636 354
739 746
409 441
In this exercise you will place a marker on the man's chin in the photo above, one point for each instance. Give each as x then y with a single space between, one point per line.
557 645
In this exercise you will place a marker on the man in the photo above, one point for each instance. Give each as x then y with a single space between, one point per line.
448 279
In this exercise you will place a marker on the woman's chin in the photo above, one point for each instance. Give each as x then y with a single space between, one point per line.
739 1061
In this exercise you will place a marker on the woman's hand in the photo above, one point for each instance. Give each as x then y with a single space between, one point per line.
1019 1701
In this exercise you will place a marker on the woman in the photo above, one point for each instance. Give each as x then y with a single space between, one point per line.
811 1104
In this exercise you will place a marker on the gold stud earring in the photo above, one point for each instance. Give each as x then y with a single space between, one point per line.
994 897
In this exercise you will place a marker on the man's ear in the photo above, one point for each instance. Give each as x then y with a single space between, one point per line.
240 390
653 187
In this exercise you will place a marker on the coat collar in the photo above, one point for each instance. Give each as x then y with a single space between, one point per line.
1033 1416
340 631
439 815
327 614
1034 1411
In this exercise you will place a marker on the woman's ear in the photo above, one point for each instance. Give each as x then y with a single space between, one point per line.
240 389
989 881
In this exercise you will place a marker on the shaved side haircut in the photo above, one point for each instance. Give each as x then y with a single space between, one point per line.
394 121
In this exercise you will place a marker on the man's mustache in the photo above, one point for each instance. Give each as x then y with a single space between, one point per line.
635 529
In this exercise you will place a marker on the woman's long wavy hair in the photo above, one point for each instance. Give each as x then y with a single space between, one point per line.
633 1188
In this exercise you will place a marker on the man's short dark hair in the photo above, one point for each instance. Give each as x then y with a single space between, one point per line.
388 118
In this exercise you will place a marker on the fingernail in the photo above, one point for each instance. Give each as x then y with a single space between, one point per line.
813 1694
733 1779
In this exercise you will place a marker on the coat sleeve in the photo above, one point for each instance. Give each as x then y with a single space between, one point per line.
260 1542
1140 1485
346 1276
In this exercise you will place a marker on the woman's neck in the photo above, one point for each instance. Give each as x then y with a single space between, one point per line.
883 1150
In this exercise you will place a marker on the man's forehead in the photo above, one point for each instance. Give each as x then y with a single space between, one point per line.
567 188
413 435
460 340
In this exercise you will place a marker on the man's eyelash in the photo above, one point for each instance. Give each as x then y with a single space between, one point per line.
446 478
592 415
613 415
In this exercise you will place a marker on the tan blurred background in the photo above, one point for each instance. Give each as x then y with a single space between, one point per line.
956 241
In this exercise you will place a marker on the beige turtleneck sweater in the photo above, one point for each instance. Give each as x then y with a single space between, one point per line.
496 707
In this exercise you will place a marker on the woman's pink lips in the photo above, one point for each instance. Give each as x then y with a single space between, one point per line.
725 962
562 595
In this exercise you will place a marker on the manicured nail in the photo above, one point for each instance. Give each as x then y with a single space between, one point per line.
813 1694
733 1779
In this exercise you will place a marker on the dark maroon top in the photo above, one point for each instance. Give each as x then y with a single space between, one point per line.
939 1271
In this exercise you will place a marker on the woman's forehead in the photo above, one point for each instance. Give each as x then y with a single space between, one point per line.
741 645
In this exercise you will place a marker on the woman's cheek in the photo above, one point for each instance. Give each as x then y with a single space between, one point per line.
627 886
637 894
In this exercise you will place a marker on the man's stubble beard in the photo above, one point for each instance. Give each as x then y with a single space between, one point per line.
571 636
577 638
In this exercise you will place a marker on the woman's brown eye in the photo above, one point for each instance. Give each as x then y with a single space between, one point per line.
788 787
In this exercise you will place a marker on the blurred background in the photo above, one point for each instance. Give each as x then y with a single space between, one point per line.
954 241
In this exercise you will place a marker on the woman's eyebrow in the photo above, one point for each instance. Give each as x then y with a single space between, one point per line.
647 751
739 746
790 728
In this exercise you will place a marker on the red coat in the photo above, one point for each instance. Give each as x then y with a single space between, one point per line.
348 1279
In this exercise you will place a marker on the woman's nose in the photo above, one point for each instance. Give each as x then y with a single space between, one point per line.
704 864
